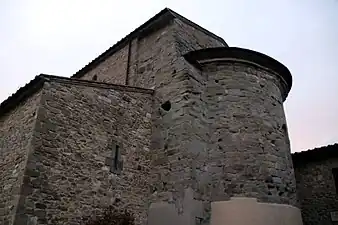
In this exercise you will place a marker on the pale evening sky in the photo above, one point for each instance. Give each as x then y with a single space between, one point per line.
61 36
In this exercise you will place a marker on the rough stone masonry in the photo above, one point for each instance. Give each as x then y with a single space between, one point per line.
167 122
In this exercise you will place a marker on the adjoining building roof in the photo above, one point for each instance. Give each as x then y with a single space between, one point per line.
160 20
316 154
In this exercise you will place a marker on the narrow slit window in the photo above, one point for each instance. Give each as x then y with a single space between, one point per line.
335 178
116 158
114 162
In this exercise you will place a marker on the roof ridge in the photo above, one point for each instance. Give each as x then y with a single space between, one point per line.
165 14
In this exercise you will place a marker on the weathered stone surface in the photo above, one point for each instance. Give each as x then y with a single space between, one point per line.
243 142
189 38
155 58
66 177
16 131
316 189
218 132
112 70
156 62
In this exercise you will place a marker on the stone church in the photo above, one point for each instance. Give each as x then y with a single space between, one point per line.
170 123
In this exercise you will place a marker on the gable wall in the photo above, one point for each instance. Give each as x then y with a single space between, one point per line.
112 70
151 56
68 174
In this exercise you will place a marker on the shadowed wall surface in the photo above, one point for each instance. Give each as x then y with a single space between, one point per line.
16 133
70 173
317 184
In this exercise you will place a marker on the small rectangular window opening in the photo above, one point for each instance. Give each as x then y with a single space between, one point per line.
114 161
116 158
335 177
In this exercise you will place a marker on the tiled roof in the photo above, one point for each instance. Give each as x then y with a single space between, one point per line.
320 153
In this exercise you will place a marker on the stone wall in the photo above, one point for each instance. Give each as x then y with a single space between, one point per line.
16 130
202 136
180 133
78 124
74 170
156 57
316 189
188 38
152 57
112 70
249 149
224 136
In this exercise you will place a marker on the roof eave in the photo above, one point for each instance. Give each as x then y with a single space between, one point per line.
21 94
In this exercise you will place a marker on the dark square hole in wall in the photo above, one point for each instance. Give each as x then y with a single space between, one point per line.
335 178
166 106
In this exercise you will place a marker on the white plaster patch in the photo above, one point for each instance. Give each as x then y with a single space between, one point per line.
256 213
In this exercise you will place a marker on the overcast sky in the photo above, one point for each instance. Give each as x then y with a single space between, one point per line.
61 36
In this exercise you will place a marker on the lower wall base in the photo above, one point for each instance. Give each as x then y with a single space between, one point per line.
247 211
